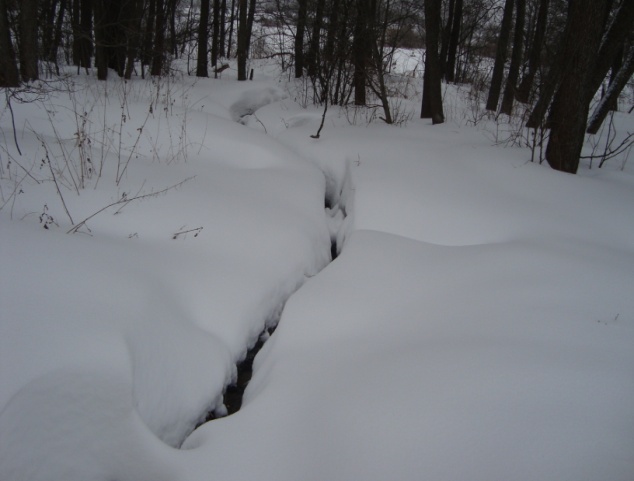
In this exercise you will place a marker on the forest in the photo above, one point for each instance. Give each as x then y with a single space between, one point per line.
551 55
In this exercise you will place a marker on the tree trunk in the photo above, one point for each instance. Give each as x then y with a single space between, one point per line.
86 21
360 52
500 57
534 60
571 103
242 40
446 34
203 40
516 59
134 14
250 19
158 52
172 21
331 34
101 56
215 35
432 88
312 57
232 20
28 40
9 74
57 36
149 35
299 38
222 35
454 40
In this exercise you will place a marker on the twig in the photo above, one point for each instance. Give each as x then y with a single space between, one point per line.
183 232
125 200
15 137
59 192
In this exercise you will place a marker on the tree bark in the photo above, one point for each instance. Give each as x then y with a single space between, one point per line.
432 88
500 57
516 59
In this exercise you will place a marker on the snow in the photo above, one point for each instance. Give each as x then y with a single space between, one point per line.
476 325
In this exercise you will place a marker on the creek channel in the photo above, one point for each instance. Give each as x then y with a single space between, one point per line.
234 392
335 215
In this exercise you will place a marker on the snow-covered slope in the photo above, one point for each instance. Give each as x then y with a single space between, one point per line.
476 325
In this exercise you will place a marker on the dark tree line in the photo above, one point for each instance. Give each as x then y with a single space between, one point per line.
554 55
123 36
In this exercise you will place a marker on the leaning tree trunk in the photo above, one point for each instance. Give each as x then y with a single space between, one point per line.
432 88
621 26
611 96
500 57
571 103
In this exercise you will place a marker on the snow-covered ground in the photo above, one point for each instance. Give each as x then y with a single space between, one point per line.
478 323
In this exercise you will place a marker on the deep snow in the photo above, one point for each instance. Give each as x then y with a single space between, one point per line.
478 323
